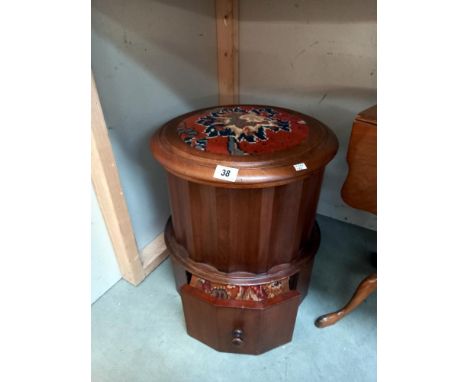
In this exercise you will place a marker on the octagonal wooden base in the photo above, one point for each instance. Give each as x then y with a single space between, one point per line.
233 326
238 326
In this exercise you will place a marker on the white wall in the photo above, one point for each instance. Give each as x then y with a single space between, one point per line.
318 57
104 269
152 60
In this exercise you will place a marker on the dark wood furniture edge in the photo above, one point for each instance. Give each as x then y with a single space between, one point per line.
369 115
206 271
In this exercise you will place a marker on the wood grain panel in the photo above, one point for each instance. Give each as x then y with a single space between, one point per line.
154 254
227 32
360 187
264 238
310 195
250 230
264 325
245 229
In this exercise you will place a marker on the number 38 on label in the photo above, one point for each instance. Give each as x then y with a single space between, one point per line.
226 173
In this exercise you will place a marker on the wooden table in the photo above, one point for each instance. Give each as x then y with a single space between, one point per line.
244 183
359 191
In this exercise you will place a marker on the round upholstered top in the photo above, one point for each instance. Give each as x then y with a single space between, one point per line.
264 145
243 130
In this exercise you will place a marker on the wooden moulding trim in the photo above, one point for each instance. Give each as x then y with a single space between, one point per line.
227 32
239 304
154 254
261 171
206 271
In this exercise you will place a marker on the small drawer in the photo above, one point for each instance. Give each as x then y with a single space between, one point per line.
236 326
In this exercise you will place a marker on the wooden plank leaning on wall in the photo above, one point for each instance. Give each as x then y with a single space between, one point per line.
134 267
227 31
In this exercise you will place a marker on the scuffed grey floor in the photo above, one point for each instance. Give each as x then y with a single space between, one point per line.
138 333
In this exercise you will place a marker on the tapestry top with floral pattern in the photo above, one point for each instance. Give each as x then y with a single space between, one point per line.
243 130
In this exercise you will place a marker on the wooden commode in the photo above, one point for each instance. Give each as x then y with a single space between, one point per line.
244 183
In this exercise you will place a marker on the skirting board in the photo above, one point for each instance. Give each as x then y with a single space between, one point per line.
154 254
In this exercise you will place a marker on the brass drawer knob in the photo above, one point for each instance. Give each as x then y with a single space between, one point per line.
237 337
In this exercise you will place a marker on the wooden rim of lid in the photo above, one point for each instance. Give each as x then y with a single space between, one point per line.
263 142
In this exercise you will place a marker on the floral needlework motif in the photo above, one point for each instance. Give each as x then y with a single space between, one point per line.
241 292
243 130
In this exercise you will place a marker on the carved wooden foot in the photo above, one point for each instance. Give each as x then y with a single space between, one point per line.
365 288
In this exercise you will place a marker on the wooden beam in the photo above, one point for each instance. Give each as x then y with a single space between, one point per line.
227 30
110 196
154 254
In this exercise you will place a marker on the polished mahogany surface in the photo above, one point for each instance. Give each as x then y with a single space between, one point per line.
360 188
251 230
240 326
257 170
359 191
248 230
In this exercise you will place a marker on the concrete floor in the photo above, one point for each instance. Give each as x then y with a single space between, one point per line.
138 334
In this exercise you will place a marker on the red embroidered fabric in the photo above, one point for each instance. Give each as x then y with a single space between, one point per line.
243 130
241 292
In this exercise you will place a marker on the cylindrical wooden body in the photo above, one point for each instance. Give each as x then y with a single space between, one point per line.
250 230
243 245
